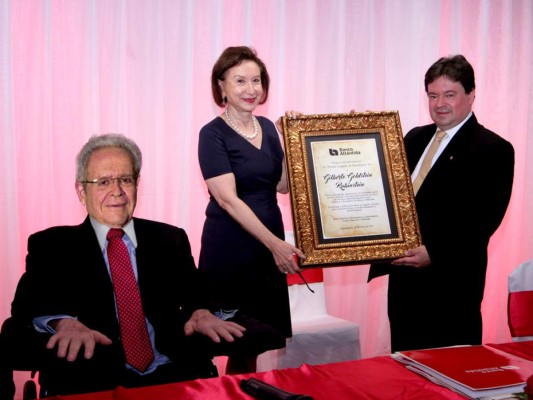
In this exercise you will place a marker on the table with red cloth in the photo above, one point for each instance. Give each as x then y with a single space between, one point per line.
378 378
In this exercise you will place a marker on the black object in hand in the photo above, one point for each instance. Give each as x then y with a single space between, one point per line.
264 391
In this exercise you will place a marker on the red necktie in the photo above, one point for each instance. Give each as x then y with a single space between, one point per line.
135 339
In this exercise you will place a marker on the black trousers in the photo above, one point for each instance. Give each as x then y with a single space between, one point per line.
24 349
258 338
99 375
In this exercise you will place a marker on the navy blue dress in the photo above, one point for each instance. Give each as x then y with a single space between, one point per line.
239 269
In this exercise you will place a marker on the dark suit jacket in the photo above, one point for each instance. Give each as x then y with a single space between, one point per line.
460 204
66 274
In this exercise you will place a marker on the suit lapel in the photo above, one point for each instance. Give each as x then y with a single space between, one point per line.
418 144
92 254
144 254
141 244
457 144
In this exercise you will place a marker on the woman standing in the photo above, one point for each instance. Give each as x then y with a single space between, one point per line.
244 257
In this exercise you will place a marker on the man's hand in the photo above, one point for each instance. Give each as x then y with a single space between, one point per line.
417 257
202 321
71 335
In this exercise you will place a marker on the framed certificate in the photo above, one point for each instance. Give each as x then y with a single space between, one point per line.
350 188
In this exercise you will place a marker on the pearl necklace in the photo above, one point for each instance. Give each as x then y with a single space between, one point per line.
244 135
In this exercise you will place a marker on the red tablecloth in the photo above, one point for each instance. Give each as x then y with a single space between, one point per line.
378 378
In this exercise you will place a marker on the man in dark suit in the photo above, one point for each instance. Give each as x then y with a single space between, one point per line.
435 290
66 304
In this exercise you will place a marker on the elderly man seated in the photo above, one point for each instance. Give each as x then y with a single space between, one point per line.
116 300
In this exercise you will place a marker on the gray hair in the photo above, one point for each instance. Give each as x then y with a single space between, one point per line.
98 142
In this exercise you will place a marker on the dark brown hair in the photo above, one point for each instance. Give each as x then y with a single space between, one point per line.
231 57
457 68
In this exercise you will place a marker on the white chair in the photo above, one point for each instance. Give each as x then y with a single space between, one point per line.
520 302
318 337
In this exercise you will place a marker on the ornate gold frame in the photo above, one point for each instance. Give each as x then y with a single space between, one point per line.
306 139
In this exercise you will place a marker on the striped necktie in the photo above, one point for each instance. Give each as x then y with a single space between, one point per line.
428 160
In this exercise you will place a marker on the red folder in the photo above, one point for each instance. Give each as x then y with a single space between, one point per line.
472 370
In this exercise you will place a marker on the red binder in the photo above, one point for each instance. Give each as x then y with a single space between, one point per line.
475 371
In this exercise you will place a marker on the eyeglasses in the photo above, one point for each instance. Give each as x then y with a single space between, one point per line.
104 183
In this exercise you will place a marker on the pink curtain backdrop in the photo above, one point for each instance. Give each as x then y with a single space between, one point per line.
73 68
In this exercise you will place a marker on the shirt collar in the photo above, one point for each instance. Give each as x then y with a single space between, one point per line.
101 232
452 131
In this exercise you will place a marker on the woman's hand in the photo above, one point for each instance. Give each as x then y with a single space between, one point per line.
285 256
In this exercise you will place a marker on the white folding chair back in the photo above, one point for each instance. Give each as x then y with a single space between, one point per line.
318 337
